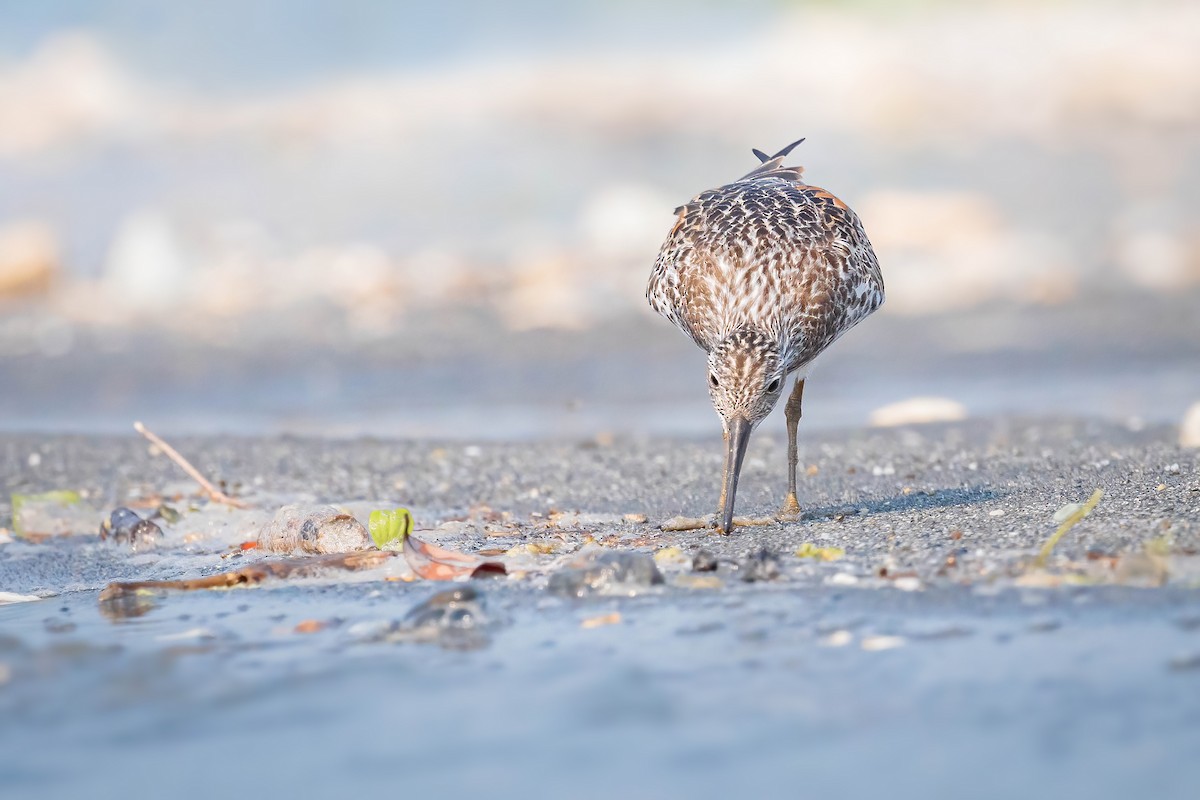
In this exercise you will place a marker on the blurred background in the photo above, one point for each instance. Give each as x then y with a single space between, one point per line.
421 219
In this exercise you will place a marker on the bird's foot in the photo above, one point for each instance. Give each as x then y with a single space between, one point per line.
791 509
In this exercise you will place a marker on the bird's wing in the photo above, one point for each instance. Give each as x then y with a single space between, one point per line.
686 283
833 280
664 291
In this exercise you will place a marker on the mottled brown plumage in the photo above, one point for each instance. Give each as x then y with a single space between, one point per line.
764 274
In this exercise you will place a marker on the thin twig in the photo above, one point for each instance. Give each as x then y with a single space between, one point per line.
214 494
303 566
1066 525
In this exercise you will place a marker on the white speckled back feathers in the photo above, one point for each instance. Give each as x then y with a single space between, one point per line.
771 254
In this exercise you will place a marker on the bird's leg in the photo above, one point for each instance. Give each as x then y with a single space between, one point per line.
791 506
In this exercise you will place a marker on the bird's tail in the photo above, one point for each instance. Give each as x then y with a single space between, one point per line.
773 165
764 158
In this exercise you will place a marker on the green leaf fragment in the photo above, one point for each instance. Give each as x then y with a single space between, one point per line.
810 550
390 527
167 514
1159 547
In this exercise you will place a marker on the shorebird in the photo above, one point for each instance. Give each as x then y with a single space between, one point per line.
764 274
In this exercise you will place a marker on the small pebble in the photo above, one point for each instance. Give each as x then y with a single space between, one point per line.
704 561
1066 511
1185 663
675 524
606 572
454 619
126 527
836 639
761 565
1044 625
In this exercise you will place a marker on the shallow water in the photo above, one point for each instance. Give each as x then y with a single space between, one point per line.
691 694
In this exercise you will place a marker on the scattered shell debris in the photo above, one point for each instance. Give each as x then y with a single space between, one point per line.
838 638
918 411
313 529
7 598
675 524
876 643
1189 430
670 556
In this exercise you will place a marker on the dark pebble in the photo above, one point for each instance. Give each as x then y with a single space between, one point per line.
55 625
125 526
704 561
762 565
606 572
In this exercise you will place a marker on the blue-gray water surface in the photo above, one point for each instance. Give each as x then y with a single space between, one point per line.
1090 694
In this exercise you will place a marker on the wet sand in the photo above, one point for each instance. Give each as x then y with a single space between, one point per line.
923 662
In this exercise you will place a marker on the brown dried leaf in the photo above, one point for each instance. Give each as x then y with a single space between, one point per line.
309 626
435 563
598 622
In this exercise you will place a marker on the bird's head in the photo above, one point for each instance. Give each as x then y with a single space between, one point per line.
745 380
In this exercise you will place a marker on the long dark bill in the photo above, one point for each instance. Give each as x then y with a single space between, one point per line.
735 451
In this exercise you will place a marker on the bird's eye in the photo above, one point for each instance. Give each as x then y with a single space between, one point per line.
773 386
712 381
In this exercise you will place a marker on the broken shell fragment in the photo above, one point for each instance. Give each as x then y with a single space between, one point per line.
313 529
